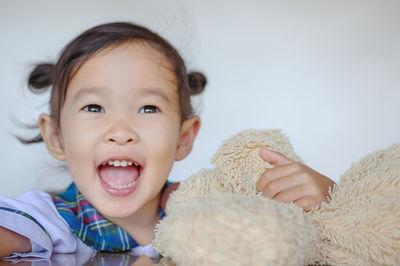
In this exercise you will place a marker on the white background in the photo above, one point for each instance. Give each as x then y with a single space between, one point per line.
325 72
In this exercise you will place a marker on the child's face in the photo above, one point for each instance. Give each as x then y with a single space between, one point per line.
121 107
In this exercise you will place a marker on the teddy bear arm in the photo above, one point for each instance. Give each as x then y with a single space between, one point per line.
234 229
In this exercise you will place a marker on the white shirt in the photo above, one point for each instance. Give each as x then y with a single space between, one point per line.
48 232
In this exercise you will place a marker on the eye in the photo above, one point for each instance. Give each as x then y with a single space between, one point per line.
93 108
149 109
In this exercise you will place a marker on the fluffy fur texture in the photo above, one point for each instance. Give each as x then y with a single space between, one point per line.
217 217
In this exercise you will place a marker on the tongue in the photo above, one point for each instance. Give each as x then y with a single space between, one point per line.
118 175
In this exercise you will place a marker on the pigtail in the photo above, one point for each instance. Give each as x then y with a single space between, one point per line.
36 139
39 80
197 82
41 77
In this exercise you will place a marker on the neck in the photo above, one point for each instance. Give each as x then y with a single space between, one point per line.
140 226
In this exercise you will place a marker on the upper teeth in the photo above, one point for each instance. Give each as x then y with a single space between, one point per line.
118 163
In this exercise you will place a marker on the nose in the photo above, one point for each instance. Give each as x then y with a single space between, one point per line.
120 139
120 133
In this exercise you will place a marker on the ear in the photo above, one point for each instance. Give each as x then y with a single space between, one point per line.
189 130
51 137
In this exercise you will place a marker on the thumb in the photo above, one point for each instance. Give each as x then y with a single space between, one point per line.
274 158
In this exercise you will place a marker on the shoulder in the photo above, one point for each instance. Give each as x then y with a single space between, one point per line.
32 202
35 216
171 187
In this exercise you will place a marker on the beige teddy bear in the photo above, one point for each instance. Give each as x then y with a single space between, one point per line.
216 217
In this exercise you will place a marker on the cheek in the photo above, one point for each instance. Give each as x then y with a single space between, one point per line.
164 141
79 157
77 139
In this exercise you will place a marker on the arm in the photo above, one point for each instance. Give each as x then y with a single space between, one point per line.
11 242
291 181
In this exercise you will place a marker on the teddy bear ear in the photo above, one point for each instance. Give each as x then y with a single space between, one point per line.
238 157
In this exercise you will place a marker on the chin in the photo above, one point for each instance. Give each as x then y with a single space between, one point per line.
118 212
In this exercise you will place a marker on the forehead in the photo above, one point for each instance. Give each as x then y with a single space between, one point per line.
134 64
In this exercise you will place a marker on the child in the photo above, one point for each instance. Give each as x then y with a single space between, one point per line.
120 116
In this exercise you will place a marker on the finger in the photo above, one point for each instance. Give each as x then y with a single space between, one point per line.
274 158
274 187
291 195
264 179
306 203
277 172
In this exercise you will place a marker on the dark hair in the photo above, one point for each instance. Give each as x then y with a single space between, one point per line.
79 50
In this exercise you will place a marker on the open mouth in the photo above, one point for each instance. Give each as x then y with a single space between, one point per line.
119 177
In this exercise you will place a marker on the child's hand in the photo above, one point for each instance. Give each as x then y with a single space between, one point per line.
291 181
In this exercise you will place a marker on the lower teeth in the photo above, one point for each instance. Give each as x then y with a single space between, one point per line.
123 186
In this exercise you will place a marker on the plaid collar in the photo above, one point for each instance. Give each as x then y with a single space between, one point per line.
89 225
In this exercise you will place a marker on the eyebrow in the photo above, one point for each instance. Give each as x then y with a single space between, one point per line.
86 91
155 92
100 90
